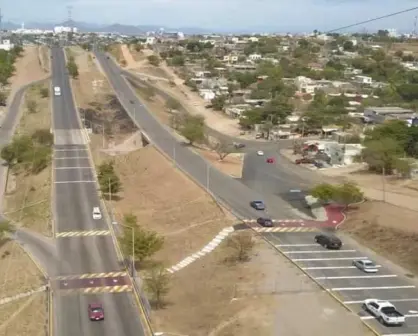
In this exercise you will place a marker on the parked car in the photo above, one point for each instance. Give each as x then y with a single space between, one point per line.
270 160
328 241
365 265
266 222
384 311
96 312
238 145
304 160
258 205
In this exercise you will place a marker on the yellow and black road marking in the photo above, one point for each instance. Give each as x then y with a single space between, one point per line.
286 229
96 290
91 276
82 233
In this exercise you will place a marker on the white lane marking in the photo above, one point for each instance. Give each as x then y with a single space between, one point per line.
72 167
322 251
296 245
327 259
64 182
71 158
392 300
70 150
367 288
332 267
357 277
372 317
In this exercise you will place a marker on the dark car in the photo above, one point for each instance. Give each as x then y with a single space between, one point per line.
96 312
328 241
258 205
266 222
238 145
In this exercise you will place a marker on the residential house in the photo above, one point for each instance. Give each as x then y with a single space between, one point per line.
6 45
207 94
236 111
230 58
363 79
255 57
305 84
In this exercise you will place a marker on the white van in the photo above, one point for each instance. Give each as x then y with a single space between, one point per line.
57 91
96 213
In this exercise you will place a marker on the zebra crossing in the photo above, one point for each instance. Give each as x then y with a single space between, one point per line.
92 233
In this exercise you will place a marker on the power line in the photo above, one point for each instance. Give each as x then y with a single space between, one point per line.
374 19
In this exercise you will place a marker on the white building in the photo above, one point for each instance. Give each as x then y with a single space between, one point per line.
150 40
62 29
363 79
255 57
6 45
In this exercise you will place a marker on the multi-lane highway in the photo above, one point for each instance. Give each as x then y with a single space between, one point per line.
230 192
84 246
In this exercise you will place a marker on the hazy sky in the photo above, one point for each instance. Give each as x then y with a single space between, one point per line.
282 15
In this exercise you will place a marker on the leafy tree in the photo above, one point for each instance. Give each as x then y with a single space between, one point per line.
146 243
108 179
8 154
157 284
5 228
40 159
381 155
44 92
193 128
43 137
178 60
241 246
72 67
154 60
3 99
324 192
172 104
218 102
344 194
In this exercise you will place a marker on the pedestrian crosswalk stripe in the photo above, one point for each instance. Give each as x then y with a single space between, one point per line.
248 221
96 290
91 276
82 233
285 229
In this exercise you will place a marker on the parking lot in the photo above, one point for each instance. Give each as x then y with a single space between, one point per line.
334 270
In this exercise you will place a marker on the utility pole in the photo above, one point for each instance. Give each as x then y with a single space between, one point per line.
110 200
384 184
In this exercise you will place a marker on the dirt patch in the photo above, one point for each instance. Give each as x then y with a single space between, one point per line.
153 71
28 196
265 296
231 165
82 58
171 204
139 56
19 274
116 51
376 224
25 317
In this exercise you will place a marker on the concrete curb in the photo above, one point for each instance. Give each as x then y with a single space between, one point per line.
214 243
119 253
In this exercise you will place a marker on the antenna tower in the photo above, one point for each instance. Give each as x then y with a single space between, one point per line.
1 21
414 33
69 13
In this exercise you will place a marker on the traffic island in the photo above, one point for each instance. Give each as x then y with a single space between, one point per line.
28 190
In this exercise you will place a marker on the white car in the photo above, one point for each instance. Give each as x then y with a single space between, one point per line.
57 91
260 153
365 265
96 213
384 311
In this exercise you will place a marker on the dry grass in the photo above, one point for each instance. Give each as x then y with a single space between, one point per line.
25 317
116 52
28 197
376 224
44 58
138 56
18 272
169 202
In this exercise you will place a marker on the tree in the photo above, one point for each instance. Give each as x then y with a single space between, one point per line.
222 148
32 106
178 60
381 155
154 60
218 102
5 228
44 92
3 99
8 154
157 283
324 192
348 193
241 245
43 137
192 128
72 67
108 179
146 243
172 104
40 159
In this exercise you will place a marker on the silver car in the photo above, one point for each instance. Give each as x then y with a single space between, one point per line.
366 265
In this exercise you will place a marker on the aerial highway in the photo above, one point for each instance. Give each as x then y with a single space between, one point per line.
84 246
232 193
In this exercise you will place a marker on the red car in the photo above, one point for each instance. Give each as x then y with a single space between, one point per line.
96 312
270 160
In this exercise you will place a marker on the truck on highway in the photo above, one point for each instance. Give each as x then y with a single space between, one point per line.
384 311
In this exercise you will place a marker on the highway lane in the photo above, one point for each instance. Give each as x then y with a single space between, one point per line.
231 192
75 196
334 270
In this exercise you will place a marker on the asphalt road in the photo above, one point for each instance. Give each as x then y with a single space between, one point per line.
334 270
75 195
231 192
